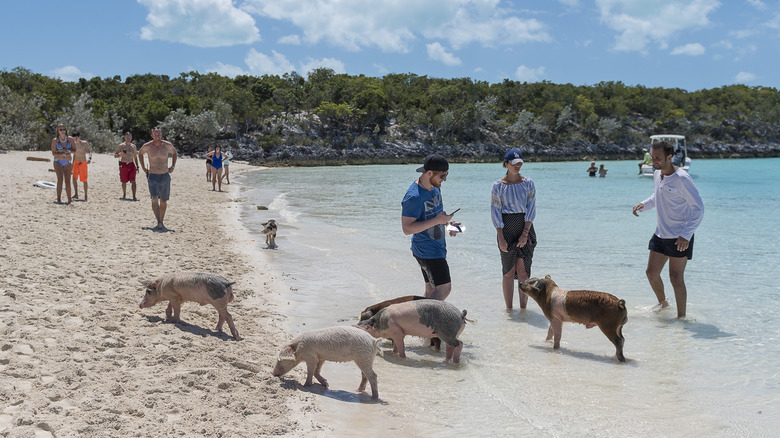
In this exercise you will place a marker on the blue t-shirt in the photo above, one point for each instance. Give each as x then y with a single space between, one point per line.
422 205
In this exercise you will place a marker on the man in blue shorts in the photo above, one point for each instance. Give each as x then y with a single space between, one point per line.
423 217
679 211
158 173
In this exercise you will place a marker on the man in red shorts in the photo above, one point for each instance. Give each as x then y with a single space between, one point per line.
128 164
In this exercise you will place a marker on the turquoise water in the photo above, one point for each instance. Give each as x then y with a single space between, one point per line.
714 373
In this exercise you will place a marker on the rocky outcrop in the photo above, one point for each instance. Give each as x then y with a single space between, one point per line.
380 151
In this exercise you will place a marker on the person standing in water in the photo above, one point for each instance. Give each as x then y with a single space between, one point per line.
423 216
513 210
679 211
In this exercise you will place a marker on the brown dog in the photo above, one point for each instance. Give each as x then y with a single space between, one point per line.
582 306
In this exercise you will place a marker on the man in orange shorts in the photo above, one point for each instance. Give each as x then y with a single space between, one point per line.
128 164
80 161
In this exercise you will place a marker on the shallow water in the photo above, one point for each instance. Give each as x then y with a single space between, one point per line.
713 373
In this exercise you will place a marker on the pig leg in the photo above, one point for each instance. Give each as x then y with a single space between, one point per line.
557 328
173 311
369 375
318 375
549 332
453 353
398 345
615 335
311 364
225 316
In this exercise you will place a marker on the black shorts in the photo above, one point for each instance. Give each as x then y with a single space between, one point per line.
668 247
435 271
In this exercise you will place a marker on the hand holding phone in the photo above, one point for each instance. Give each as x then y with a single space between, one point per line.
454 212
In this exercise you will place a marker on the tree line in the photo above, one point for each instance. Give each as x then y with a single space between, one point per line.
337 110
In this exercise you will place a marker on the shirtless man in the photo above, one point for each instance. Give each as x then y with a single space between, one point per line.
158 173
128 164
80 161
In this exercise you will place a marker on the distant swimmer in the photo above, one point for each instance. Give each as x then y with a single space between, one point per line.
592 169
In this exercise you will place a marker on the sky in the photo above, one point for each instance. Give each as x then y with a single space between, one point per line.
692 45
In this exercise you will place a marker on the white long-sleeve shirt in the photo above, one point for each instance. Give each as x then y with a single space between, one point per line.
512 198
678 205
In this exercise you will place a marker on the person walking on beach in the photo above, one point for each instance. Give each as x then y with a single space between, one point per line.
208 163
423 216
61 148
679 210
592 169
513 210
158 173
226 165
80 162
216 157
128 164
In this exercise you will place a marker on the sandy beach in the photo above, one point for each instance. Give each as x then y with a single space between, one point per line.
79 358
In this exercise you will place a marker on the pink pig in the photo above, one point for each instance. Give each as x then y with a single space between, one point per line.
423 318
191 286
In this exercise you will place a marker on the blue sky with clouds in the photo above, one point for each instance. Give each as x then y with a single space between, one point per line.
691 44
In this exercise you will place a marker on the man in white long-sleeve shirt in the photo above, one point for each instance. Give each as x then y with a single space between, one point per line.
679 210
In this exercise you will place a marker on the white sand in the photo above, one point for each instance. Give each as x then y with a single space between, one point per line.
77 355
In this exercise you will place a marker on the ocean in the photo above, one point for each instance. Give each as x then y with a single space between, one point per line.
713 373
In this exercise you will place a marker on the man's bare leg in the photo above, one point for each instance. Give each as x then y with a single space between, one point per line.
655 264
677 277
124 190
85 191
163 207
156 210
132 184
440 292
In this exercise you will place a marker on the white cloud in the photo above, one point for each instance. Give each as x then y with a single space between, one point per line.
331 63
692 49
228 70
640 22
70 73
262 64
526 74
394 26
200 23
570 3
758 4
744 77
295 40
439 53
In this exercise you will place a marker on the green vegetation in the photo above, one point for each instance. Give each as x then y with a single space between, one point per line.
337 111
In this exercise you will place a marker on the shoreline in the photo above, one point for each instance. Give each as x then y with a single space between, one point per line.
80 358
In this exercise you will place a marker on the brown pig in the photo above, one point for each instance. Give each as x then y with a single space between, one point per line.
582 306
191 286
336 344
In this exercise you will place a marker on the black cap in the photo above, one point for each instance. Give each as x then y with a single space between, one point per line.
435 162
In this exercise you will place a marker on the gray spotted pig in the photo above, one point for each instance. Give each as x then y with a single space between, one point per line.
423 318
191 286
335 344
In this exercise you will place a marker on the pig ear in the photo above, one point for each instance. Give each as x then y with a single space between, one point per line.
287 352
144 282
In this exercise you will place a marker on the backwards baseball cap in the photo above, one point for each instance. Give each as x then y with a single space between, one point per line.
514 156
435 162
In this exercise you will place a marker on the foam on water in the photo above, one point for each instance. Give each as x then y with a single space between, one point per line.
712 374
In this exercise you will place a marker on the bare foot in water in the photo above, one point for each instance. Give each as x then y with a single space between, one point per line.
661 306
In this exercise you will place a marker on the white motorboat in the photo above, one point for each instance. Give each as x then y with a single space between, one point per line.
680 158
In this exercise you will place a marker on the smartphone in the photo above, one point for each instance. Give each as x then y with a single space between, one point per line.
454 212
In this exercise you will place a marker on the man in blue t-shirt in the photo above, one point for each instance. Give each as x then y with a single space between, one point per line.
423 216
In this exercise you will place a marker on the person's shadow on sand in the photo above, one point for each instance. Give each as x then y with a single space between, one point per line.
159 230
